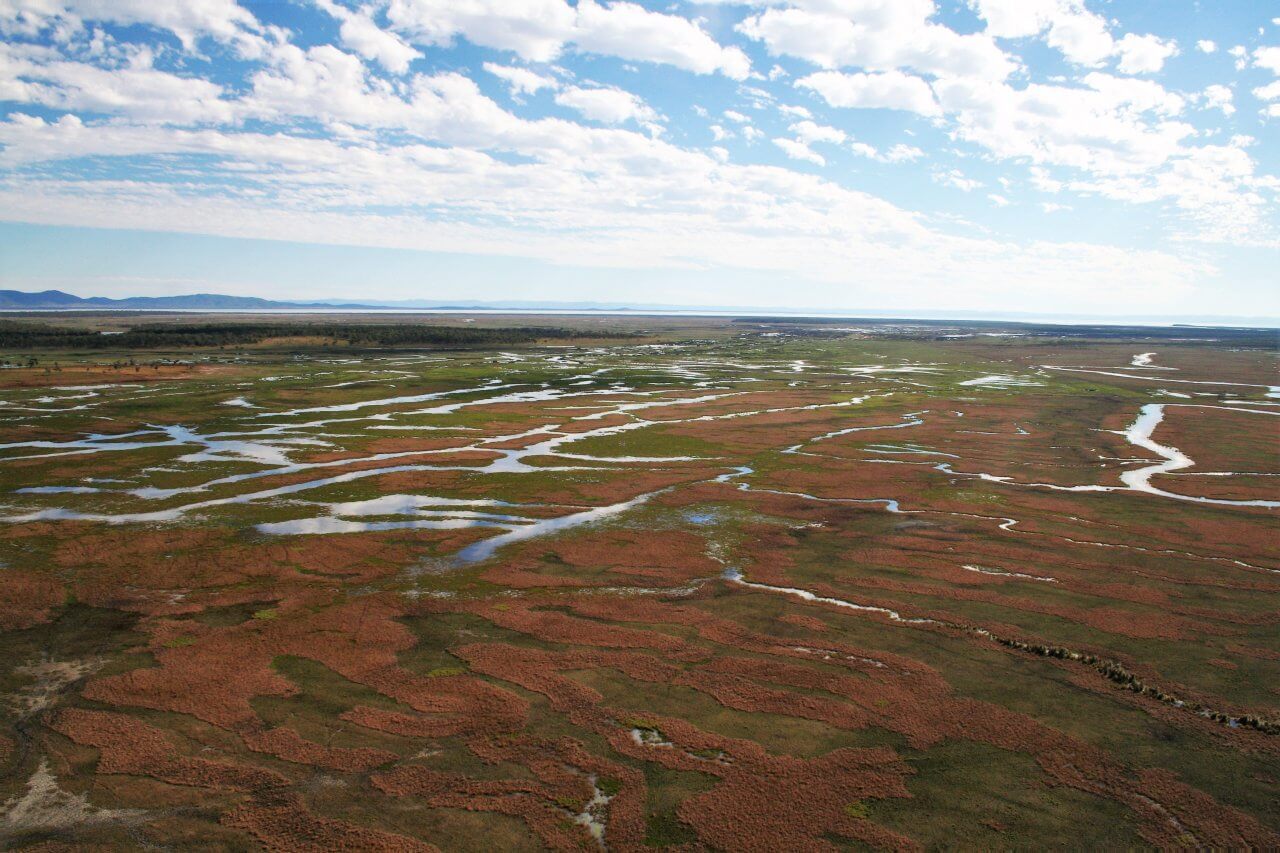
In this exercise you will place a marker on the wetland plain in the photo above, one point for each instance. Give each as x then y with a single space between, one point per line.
638 582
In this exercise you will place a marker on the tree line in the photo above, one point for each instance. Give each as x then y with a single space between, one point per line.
23 335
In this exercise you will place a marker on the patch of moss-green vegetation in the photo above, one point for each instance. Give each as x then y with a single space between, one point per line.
777 733
667 790
323 696
997 799
224 616
78 632
858 809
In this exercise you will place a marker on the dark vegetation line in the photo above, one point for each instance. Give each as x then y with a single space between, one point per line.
21 335
1118 673
940 329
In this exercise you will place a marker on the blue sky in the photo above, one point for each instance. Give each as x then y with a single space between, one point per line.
1042 156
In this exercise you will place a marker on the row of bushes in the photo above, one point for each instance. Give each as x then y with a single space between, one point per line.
1118 673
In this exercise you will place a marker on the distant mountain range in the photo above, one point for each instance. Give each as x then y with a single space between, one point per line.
46 300
58 300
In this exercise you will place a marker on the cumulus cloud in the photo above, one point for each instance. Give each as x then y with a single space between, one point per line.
1082 36
797 150
1268 58
889 90
1111 124
539 30
808 132
606 104
1143 54
1068 26
630 31
1207 46
189 20
899 153
956 178
521 81
1269 92
878 35
361 33
136 90
1123 139
1219 97
533 29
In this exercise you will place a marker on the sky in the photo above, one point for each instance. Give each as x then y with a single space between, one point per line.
1027 156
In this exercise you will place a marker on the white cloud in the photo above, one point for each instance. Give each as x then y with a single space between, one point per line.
522 81
1268 58
862 149
539 30
606 104
1206 46
630 31
1080 35
956 178
998 200
188 20
1269 92
325 84
533 29
361 33
797 150
899 153
1219 97
808 133
63 20
1097 127
890 90
1143 54
647 204
1119 139
902 153
136 90
879 35
733 115
796 111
